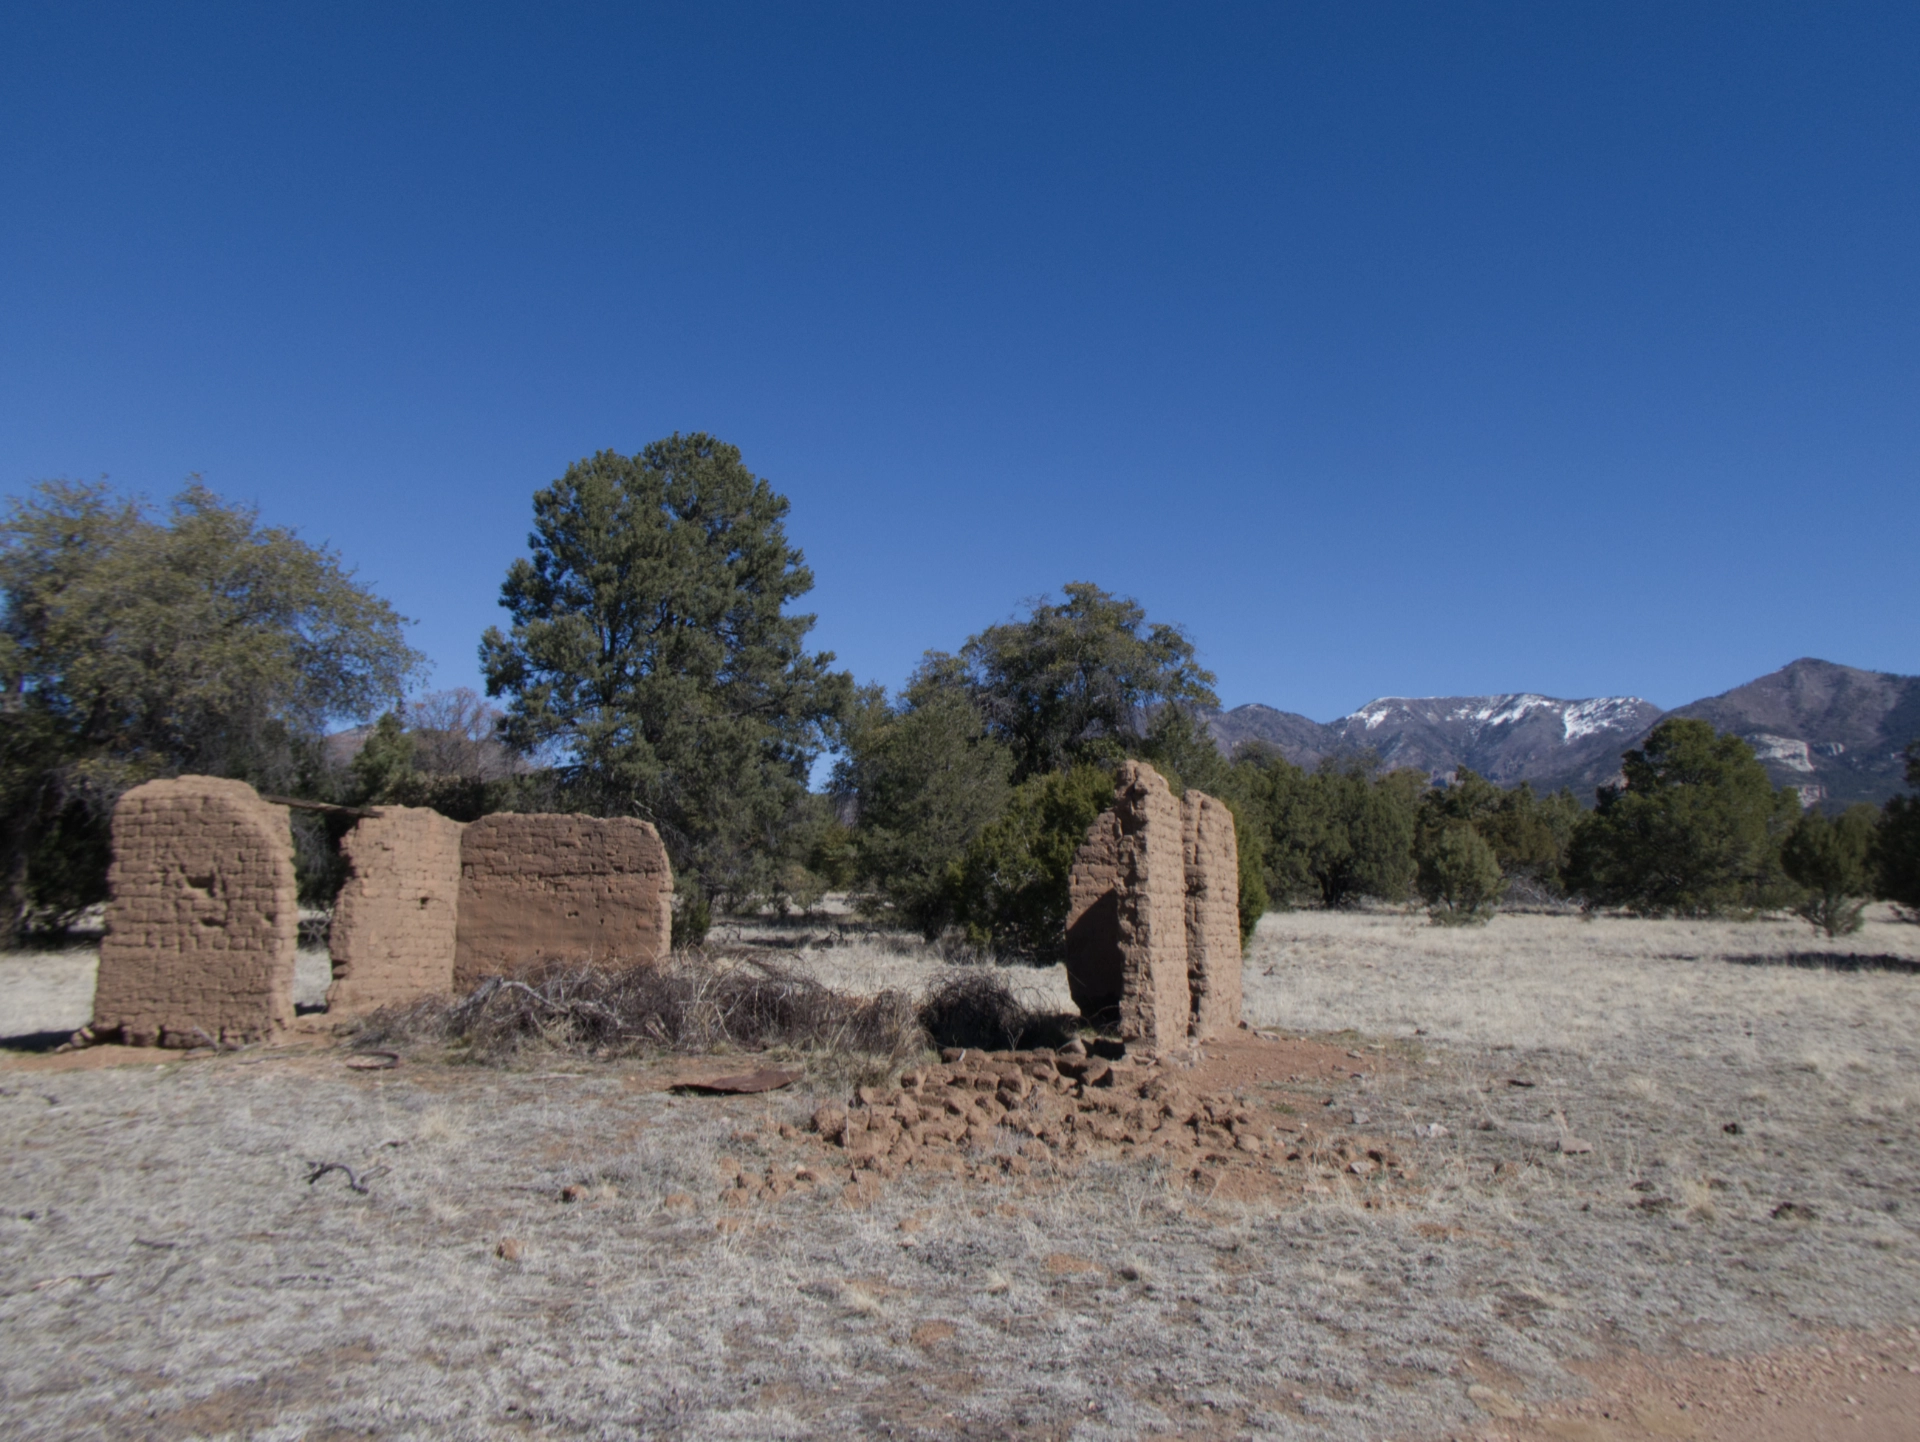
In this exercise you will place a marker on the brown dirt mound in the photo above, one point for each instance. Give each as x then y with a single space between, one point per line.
1242 1117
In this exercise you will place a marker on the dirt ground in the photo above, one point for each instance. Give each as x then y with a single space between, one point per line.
1654 1180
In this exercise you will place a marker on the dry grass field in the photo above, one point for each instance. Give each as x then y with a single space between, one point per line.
1752 1190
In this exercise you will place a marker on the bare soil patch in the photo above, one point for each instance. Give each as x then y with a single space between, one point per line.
562 1247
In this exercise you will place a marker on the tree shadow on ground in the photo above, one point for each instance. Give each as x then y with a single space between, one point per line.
1832 961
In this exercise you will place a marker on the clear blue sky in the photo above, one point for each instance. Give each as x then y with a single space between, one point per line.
1391 349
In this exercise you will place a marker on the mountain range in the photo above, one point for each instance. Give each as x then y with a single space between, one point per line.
1834 732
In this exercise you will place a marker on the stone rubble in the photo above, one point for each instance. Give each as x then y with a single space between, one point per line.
998 1114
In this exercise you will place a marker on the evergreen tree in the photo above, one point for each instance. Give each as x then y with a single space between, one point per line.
1335 836
383 766
1896 850
925 779
1695 831
1010 888
1077 681
1529 834
1831 859
653 657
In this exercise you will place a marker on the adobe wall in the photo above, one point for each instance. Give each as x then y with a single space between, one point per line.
1127 913
560 888
395 924
1095 974
1212 855
203 922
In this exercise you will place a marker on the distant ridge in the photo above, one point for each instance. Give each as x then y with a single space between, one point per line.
1833 731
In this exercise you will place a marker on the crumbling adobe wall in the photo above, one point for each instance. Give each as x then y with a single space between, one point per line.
1127 913
1212 856
394 926
560 888
203 921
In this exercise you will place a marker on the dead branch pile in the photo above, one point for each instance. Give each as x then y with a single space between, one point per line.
688 1004
975 1008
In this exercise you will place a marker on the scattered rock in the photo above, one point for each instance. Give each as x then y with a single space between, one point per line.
508 1249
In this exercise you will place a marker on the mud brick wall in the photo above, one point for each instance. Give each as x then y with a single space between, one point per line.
1094 971
1212 856
203 921
1127 913
560 888
394 926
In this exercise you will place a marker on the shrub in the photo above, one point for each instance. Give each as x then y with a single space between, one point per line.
1459 876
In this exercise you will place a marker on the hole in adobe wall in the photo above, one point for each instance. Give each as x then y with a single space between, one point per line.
201 884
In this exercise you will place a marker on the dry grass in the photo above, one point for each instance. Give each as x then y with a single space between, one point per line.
167 1271
43 992
1573 984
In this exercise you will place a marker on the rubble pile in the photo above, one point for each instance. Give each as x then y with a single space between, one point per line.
1000 1114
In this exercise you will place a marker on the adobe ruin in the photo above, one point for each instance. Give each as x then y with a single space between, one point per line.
204 921
1212 855
539 888
1153 916
1127 913
396 920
